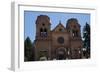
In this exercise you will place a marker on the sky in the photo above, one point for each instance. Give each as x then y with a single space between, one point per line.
31 16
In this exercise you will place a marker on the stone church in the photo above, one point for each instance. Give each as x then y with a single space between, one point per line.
60 43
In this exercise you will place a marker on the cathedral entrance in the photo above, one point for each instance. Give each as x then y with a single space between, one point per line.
61 54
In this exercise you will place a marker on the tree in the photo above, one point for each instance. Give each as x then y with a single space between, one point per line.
28 50
86 37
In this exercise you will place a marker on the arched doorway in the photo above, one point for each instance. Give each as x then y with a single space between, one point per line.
61 53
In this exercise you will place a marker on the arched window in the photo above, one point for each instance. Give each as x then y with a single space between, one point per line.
43 32
75 33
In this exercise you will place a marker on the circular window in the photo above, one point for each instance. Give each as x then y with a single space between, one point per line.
60 40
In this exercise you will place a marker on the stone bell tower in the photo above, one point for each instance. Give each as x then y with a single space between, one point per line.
43 37
73 28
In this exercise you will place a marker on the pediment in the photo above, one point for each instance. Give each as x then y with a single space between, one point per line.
59 28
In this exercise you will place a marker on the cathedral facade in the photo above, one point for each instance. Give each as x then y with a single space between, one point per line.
59 43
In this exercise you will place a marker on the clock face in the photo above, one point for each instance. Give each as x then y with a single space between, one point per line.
60 40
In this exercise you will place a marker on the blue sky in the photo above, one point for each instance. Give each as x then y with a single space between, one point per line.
31 16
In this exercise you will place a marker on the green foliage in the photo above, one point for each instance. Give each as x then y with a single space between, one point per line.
28 50
86 37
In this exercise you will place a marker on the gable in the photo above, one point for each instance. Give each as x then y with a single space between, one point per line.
59 28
